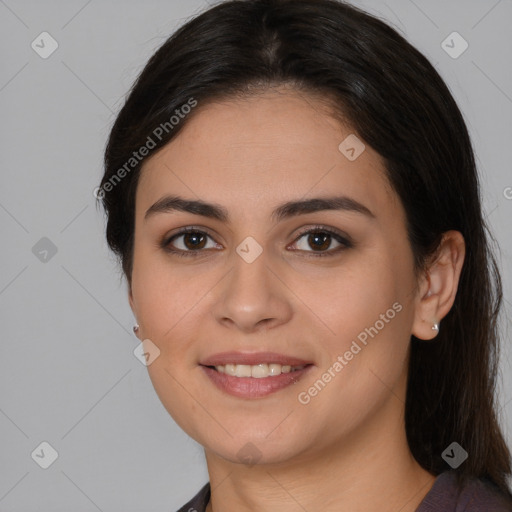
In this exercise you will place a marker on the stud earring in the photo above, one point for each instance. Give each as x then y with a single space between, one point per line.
135 328
435 327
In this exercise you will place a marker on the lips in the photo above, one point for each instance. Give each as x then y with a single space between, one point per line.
253 375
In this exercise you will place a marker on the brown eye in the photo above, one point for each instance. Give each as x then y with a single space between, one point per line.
318 240
188 242
194 240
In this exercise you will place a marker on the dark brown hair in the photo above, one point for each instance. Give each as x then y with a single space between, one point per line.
398 104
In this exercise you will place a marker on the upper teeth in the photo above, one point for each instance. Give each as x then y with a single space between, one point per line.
257 370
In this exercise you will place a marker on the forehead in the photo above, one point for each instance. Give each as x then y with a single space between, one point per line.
263 150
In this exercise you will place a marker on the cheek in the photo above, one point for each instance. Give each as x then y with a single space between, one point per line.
161 297
367 352
354 300
369 313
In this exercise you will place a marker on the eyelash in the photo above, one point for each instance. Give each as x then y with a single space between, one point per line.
339 237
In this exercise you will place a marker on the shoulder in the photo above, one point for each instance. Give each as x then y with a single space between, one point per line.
198 502
475 496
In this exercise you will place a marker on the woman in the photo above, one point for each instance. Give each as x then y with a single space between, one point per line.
292 193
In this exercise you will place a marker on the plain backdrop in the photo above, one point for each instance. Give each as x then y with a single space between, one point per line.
68 374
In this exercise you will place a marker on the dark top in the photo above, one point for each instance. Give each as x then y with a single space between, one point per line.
476 496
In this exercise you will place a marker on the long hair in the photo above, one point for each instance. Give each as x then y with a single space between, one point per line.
394 99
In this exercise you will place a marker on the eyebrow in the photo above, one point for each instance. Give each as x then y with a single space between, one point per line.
169 204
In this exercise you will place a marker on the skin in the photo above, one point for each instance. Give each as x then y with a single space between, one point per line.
346 449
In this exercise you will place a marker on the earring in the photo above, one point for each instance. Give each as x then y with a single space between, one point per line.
435 327
135 328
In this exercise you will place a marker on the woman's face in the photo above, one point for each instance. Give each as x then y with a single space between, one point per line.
320 321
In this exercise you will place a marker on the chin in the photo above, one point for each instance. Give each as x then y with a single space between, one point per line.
255 450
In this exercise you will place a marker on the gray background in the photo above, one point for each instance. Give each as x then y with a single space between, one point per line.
68 375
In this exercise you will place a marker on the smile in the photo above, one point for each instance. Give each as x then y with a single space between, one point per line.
258 371
252 375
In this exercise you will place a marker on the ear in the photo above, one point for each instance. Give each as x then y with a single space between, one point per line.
438 285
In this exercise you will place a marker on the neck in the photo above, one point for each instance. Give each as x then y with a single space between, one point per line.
372 469
325 486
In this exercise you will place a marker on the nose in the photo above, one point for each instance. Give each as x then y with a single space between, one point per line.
252 297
